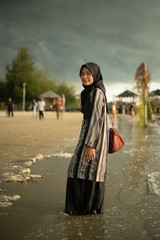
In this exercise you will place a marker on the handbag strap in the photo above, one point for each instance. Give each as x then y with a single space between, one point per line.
109 112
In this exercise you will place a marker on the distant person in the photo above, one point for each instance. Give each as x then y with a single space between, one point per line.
158 120
114 112
123 109
153 119
131 110
34 108
58 110
41 108
10 107
87 169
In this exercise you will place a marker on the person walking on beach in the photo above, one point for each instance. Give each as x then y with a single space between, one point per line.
34 108
57 110
41 108
114 112
10 106
131 110
87 169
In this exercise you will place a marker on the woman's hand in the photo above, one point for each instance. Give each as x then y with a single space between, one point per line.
90 153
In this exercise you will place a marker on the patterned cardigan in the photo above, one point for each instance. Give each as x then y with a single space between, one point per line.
94 133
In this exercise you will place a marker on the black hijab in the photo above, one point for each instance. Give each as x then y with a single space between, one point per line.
97 83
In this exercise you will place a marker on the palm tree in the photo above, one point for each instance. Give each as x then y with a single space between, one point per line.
143 78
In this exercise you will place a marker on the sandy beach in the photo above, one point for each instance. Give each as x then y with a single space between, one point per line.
32 188
23 135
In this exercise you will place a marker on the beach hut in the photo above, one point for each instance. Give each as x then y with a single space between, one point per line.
50 99
124 100
155 93
155 100
127 95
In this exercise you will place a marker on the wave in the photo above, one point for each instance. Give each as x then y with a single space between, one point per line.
20 172
154 183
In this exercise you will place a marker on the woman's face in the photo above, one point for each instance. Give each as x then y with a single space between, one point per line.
86 76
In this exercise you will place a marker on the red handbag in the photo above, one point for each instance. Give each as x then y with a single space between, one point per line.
115 140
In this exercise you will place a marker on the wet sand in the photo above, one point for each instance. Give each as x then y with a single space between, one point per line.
132 199
23 136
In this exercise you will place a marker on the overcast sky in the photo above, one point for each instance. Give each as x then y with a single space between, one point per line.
61 35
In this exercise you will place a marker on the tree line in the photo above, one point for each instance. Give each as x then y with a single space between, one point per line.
24 70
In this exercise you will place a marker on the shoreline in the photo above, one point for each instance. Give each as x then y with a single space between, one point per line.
24 136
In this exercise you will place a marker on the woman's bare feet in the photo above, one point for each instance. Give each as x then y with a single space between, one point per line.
63 213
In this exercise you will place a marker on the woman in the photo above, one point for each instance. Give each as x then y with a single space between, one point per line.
87 169
114 112
131 110
34 108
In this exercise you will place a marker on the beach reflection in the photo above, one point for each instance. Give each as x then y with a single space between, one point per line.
138 157
86 227
143 153
76 228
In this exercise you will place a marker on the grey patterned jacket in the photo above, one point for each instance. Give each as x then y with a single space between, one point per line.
94 133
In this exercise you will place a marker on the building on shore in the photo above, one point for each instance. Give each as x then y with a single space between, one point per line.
50 99
155 100
125 100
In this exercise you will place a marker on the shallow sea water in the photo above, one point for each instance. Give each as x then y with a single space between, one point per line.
132 195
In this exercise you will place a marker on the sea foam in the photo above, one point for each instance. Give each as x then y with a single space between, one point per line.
154 183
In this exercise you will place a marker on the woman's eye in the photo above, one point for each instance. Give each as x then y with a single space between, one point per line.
88 74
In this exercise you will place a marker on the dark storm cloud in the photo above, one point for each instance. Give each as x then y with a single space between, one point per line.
63 34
